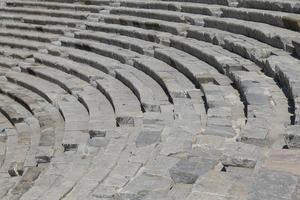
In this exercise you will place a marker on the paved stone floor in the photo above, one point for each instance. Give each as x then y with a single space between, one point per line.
150 99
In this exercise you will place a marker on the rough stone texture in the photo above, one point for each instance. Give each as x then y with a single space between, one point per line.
146 100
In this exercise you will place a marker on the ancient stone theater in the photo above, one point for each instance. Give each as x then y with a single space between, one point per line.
150 99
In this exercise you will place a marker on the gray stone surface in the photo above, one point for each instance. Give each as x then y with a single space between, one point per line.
144 100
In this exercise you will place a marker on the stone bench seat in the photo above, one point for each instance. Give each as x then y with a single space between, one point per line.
27 128
122 55
146 23
48 116
19 43
219 2
159 73
134 32
101 113
266 108
274 36
29 35
126 105
244 46
81 56
16 53
91 2
290 6
137 45
225 57
43 20
136 80
54 5
186 7
220 99
287 72
165 15
201 73
54 29
6 153
146 67
46 12
224 61
279 19
74 113
195 69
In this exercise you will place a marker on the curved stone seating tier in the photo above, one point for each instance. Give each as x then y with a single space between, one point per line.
75 115
26 147
40 28
101 113
186 7
46 12
55 6
29 35
126 108
290 6
114 64
50 120
27 128
9 139
123 110
156 99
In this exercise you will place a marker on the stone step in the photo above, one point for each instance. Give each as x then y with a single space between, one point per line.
145 23
279 19
186 7
46 12
290 6
274 36
219 2
19 43
126 105
262 96
118 70
54 5
28 131
43 20
286 74
54 29
137 45
220 99
29 35
9 140
140 62
166 15
101 113
134 32
74 113
15 53
48 116
244 46
79 2
225 57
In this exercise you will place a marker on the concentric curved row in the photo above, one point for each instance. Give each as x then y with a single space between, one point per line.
105 99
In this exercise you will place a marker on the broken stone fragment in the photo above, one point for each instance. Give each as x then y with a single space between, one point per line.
240 155
70 147
292 136
188 170
97 133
